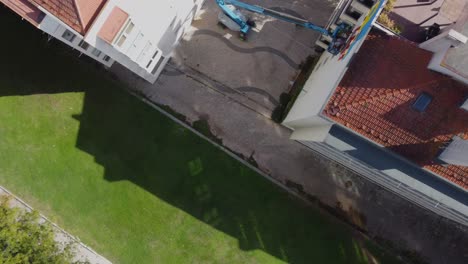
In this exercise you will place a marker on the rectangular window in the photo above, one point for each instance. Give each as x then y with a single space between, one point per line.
68 35
96 52
129 28
149 63
106 58
125 34
121 40
83 45
155 69
422 102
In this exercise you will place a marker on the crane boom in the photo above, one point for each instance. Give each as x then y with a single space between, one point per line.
223 4
235 20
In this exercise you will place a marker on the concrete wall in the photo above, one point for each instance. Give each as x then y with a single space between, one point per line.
305 114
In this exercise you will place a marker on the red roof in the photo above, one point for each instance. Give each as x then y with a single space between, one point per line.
113 24
376 95
77 14
26 10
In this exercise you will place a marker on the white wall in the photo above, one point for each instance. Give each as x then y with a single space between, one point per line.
306 111
56 28
436 65
161 22
440 45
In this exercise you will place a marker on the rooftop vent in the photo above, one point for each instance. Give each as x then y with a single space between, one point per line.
423 101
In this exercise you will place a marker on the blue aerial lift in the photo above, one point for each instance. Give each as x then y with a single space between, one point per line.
232 18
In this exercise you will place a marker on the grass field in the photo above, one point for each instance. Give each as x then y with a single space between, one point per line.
132 184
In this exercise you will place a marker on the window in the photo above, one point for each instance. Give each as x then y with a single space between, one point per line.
422 102
125 33
149 63
96 52
84 45
121 40
106 58
68 35
129 28
152 59
155 69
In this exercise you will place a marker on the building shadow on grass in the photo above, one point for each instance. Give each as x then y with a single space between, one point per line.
135 143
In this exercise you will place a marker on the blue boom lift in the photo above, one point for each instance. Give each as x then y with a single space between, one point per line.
232 18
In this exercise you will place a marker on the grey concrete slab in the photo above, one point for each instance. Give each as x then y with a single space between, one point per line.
265 65
457 58
416 16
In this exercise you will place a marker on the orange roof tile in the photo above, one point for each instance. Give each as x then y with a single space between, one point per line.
26 10
113 24
77 14
376 95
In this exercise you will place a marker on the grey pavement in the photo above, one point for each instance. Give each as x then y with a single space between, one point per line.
265 65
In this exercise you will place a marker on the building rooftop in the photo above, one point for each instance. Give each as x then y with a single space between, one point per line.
390 97
113 24
26 10
77 14
456 59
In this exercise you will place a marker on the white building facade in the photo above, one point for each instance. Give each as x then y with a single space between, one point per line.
140 35
305 116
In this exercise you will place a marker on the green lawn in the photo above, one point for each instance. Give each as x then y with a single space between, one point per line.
132 184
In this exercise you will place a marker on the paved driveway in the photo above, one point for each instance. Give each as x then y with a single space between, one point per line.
262 67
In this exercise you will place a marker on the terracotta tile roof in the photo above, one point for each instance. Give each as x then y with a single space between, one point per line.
77 14
376 95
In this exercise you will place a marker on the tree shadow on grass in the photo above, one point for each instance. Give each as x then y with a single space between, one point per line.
135 143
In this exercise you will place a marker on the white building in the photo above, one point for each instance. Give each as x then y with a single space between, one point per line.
139 35
305 116
450 49
393 110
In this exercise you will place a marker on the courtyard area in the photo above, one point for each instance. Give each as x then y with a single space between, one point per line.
136 186
258 70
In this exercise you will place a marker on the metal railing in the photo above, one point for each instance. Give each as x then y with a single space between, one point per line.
378 177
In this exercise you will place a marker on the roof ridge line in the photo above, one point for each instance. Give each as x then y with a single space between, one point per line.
75 5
